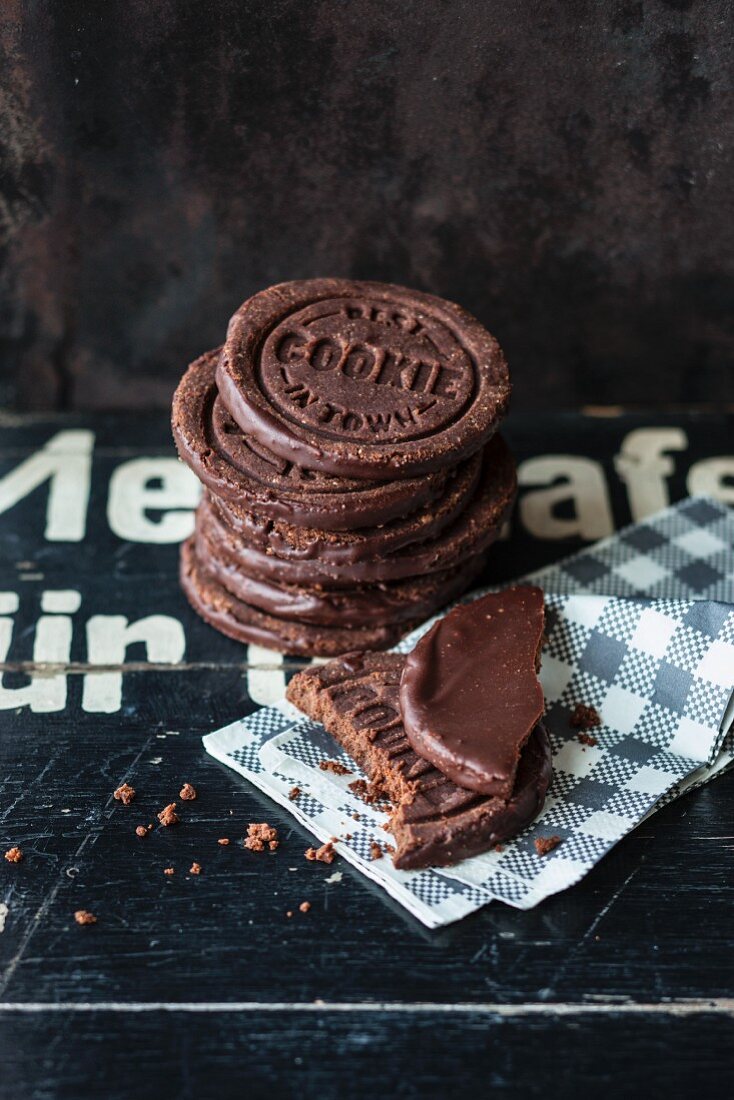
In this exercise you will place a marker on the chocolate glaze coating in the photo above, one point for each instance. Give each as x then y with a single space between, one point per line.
245 623
434 822
241 471
395 602
362 379
471 534
470 695
344 548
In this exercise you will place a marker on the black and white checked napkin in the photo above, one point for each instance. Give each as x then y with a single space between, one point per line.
641 627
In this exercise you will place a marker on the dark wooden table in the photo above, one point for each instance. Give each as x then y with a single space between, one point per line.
200 986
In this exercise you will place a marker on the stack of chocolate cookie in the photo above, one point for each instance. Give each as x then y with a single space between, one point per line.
345 436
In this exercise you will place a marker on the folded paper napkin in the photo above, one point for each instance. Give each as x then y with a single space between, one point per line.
641 627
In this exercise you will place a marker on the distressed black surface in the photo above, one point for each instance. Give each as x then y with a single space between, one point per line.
474 1054
640 950
564 171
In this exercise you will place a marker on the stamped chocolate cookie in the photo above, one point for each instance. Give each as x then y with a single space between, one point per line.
345 547
362 379
245 623
240 470
434 822
475 529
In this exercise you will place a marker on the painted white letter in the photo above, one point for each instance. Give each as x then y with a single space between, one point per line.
709 477
108 637
643 467
67 461
566 477
45 692
130 496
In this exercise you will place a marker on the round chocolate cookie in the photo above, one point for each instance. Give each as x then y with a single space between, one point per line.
474 530
244 623
345 547
362 379
399 601
239 469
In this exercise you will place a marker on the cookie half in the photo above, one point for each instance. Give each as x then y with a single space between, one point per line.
434 822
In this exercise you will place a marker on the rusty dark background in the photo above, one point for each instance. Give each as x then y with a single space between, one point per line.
562 169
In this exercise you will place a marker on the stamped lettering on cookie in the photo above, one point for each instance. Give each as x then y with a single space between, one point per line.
366 370
362 380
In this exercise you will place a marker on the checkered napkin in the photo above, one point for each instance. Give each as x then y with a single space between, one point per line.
640 626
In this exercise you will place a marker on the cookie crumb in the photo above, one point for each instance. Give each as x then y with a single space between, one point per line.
304 906
141 830
375 850
389 848
587 739
187 793
546 844
498 848
289 913
584 718
324 854
195 869
124 794
168 815
223 840
83 916
169 870
368 792
14 855
335 767
294 793
356 817
258 836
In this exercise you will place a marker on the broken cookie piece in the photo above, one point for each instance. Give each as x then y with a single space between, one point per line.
469 693
433 821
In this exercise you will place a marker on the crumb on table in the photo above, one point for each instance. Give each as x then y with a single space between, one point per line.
261 835
83 916
168 815
187 793
14 855
324 854
124 793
